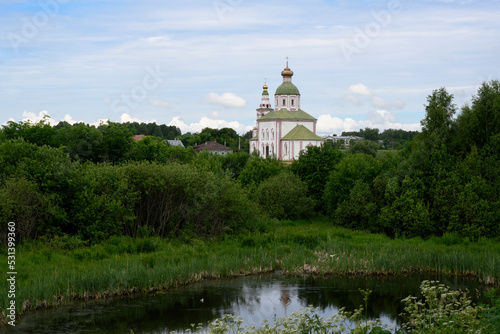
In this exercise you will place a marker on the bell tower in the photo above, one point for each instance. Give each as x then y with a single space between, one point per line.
265 104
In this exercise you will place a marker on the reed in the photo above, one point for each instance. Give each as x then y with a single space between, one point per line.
51 274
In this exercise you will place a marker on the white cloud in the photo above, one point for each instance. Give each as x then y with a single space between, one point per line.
226 100
360 89
380 119
206 122
126 118
69 119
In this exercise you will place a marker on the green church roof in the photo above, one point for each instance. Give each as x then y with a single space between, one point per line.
265 92
285 114
287 88
300 132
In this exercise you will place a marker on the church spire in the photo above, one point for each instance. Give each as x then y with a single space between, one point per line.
287 73
265 104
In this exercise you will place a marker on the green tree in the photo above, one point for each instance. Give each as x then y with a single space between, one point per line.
80 141
313 167
116 142
364 147
479 124
284 196
39 133
439 113
351 169
258 170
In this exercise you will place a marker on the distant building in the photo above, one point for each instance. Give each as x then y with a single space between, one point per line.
175 142
138 137
286 130
214 148
346 141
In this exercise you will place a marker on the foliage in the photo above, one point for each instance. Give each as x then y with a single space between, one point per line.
258 169
226 136
441 310
25 205
284 196
304 320
364 147
479 124
439 113
40 133
313 167
351 169
103 202
156 149
186 198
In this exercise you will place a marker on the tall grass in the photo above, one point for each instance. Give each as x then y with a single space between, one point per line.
53 273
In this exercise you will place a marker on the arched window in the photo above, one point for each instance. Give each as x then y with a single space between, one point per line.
267 134
272 149
272 134
284 102
286 149
263 135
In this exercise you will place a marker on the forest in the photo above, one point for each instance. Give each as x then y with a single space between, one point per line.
92 183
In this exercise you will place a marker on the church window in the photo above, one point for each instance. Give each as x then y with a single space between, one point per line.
263 137
286 149
284 101
293 102
267 134
272 134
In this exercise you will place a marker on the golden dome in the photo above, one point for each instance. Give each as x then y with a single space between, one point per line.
287 72
265 86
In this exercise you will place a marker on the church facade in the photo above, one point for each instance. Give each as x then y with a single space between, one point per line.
286 130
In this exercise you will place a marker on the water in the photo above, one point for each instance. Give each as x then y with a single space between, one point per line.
253 298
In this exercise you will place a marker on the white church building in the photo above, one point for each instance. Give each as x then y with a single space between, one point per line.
286 130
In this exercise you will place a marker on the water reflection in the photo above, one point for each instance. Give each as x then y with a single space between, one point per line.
253 298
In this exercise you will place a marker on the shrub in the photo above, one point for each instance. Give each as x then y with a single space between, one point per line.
442 310
284 196
24 204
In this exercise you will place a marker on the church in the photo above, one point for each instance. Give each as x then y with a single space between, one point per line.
286 130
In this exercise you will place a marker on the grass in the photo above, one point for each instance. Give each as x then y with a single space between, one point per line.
56 272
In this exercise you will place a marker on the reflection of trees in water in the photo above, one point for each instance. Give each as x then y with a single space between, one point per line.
259 296
385 300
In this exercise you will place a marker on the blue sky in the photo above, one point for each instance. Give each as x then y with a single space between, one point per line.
197 64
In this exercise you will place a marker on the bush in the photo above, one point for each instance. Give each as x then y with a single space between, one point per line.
313 167
25 205
103 203
441 311
284 196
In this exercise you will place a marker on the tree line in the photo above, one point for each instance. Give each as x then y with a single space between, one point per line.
95 182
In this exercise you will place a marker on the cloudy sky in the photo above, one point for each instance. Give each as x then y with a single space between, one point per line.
197 64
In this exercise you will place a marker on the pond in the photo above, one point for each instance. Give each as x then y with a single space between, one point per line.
254 298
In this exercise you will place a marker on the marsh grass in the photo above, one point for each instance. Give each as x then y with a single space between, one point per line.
54 273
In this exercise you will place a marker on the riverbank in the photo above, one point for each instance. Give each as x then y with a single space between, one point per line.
56 272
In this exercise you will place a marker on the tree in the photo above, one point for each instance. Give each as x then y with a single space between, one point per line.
439 113
313 167
479 124
364 147
284 196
